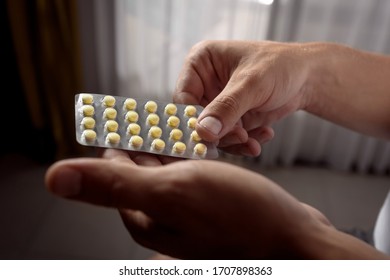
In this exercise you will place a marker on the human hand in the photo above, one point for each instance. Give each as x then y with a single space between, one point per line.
190 209
245 87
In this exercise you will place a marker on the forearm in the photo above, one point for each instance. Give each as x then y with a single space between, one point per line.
349 87
326 242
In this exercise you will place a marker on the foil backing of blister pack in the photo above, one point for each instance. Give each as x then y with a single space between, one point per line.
94 120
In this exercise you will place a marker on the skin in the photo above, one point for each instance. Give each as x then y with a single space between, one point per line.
218 210
248 86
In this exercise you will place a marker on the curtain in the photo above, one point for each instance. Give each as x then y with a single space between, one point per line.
141 45
45 38
156 36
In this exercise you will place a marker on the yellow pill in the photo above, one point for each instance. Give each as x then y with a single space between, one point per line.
132 116
88 123
136 141
133 129
155 132
192 122
153 119
179 147
88 110
158 144
151 106
113 138
130 104
109 101
170 109
87 98
173 121
190 111
176 134
200 149
111 126
89 135
109 113
195 136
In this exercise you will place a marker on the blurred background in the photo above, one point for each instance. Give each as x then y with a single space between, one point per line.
53 49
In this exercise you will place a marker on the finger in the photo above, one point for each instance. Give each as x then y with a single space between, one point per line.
262 134
189 86
168 160
147 232
198 76
115 154
145 159
237 136
136 220
104 182
257 118
219 117
251 148
100 151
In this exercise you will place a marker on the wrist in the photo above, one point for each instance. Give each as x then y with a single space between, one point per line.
321 62
326 242
351 81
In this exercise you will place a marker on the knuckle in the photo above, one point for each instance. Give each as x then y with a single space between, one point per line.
198 51
117 184
259 85
117 190
177 183
229 102
202 45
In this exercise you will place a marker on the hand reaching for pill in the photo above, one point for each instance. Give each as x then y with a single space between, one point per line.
245 87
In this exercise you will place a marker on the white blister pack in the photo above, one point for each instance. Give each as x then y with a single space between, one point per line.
140 125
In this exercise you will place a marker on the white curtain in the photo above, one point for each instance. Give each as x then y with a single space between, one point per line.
136 48
154 37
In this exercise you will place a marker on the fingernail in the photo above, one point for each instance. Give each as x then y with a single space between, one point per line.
211 124
67 182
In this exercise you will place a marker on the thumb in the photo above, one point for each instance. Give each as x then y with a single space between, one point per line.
111 183
224 112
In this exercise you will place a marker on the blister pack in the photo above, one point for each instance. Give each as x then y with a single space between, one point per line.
140 125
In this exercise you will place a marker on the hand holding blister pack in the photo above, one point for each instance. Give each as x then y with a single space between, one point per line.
140 125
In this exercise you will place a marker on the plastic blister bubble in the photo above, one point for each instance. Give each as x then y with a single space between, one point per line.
140 125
